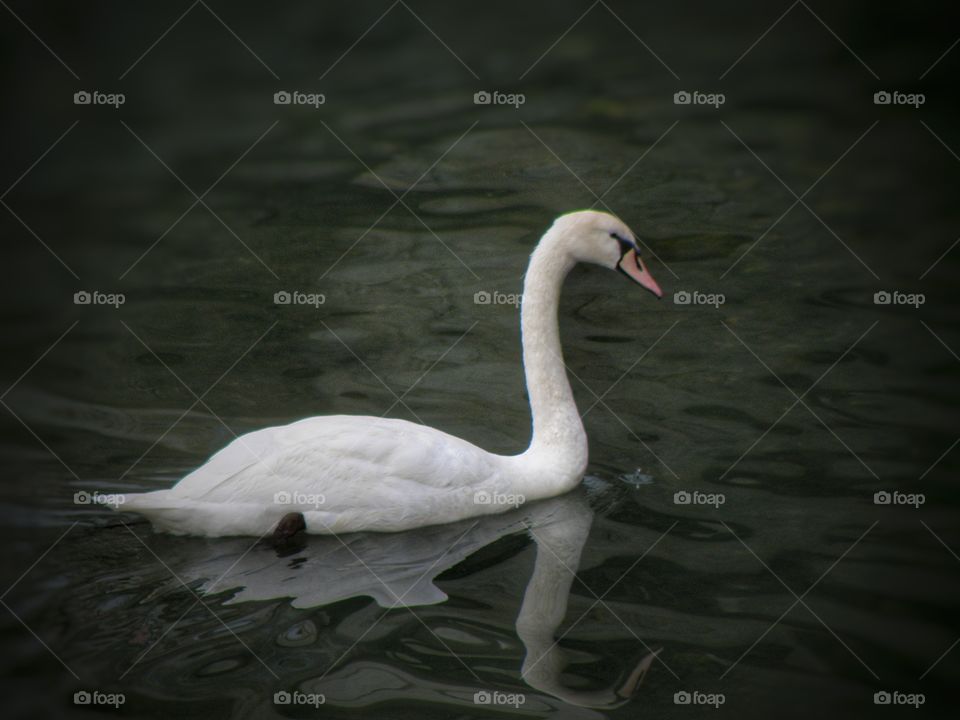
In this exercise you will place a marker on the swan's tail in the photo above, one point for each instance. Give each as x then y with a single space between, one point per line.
164 512
145 502
183 516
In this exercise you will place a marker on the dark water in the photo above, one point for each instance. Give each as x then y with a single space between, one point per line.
797 398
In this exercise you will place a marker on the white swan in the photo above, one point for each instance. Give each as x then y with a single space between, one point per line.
345 473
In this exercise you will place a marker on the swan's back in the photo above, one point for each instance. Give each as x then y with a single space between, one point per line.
345 447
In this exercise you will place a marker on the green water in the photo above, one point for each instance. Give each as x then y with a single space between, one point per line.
676 397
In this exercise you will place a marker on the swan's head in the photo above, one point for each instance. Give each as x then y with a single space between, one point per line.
600 238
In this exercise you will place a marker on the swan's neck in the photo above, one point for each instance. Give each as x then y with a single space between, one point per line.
558 435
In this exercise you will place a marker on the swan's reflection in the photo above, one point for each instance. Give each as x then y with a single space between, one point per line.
559 545
399 570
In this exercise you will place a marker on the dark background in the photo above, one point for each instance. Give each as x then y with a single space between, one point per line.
799 99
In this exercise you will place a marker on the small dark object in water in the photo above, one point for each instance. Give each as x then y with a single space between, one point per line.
289 525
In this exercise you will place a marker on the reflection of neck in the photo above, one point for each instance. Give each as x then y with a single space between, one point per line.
559 545
557 428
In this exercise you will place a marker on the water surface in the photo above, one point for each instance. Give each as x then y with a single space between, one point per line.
797 398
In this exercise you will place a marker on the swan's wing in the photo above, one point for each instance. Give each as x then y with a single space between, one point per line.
245 452
351 458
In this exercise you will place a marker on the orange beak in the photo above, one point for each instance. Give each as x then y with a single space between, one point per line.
632 266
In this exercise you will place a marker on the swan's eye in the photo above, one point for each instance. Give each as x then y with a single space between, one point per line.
625 245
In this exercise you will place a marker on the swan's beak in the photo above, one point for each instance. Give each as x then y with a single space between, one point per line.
632 266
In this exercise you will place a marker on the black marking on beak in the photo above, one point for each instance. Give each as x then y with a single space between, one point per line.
625 245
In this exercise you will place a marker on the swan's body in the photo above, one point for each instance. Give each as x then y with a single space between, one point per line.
348 473
343 473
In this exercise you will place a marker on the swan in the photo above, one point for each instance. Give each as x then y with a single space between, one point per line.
345 473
